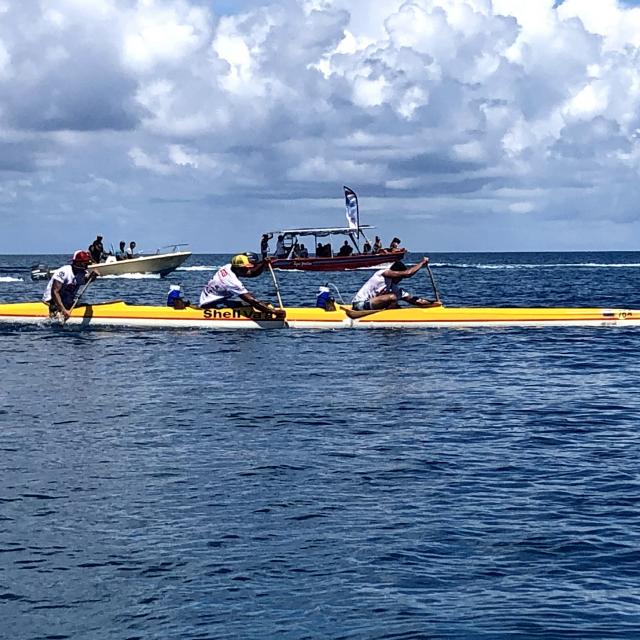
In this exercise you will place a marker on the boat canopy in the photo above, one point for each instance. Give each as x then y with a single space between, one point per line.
320 232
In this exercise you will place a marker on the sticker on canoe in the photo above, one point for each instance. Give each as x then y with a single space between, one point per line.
245 313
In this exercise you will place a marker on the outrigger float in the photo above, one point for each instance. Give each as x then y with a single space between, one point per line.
120 314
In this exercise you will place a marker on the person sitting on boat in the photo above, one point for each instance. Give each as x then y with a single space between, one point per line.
96 250
303 252
395 244
121 253
346 249
366 247
65 282
324 250
382 290
264 244
226 285
377 245
280 252
131 250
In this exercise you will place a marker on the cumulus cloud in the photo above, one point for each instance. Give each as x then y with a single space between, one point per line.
468 112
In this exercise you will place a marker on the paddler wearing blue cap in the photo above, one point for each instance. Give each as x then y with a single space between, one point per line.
225 285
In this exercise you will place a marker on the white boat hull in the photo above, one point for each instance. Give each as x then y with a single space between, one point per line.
161 264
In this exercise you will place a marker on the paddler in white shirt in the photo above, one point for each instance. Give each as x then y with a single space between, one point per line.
226 285
65 282
382 290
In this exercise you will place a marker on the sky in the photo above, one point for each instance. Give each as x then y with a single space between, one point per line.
462 125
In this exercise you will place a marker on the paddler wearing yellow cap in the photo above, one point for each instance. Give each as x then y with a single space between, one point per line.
226 285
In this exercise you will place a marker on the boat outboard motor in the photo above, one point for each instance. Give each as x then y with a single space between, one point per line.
325 299
40 272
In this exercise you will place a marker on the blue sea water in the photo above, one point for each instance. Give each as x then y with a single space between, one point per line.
436 483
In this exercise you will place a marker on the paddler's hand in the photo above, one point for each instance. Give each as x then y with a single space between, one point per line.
92 276
280 314
424 261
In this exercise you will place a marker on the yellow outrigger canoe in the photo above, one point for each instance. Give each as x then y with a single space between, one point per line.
120 314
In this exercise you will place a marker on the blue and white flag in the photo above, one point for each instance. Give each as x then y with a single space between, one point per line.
351 201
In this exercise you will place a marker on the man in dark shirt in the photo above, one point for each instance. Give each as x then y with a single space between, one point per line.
345 249
96 250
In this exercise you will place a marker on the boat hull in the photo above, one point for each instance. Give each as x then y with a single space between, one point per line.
161 264
440 316
339 263
120 314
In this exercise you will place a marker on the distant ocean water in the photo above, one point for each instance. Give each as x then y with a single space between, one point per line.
436 483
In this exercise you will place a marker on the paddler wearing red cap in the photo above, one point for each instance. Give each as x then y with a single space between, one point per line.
226 285
65 282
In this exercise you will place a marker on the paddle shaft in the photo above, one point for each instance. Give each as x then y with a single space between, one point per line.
275 283
77 298
433 283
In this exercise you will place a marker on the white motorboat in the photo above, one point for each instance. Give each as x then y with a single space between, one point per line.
159 263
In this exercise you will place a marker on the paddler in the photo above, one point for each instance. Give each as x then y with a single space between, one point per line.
226 285
382 290
65 283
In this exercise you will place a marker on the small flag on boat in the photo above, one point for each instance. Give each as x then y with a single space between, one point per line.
351 201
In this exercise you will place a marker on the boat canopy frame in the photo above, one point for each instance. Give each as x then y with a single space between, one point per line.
292 235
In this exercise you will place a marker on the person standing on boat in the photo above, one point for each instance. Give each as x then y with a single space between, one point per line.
226 285
65 283
264 244
96 250
377 245
281 252
382 290
366 248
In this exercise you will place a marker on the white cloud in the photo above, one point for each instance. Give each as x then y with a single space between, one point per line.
475 102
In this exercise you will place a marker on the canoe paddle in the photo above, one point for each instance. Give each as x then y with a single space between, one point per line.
275 283
433 283
90 279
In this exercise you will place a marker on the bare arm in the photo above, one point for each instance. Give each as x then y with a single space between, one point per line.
55 295
408 273
260 306
257 270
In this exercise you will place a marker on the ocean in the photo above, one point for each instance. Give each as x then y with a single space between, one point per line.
383 484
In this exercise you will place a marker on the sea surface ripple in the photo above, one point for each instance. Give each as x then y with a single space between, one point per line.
387 484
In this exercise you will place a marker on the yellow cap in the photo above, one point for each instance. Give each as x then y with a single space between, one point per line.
241 261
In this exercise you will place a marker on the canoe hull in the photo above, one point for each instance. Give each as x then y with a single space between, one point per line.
161 264
119 314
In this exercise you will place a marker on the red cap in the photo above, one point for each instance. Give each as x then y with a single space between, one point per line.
82 257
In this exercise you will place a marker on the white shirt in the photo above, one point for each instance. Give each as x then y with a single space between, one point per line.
376 285
224 284
70 282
